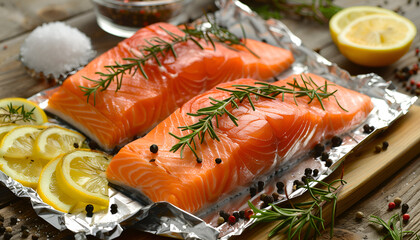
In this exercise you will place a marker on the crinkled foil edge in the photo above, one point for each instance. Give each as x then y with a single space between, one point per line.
165 219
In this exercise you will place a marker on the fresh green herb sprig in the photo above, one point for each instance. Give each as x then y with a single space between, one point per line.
293 220
156 47
204 125
394 227
13 114
318 10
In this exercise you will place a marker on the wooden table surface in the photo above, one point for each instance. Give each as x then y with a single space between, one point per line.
18 18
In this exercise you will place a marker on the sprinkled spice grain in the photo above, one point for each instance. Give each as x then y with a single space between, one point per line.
199 160
359 215
218 160
152 160
385 145
7 236
336 141
318 149
248 213
232 220
404 208
253 191
325 156
75 145
275 196
328 163
13 220
25 233
308 171
260 186
315 172
154 148
397 201
262 196
378 148
220 221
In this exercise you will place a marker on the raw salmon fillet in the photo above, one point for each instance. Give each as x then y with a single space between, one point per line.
275 132
117 117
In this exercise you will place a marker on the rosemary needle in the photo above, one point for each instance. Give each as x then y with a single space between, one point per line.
218 108
156 47
13 114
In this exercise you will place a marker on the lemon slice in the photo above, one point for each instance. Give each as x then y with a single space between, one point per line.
34 114
18 143
376 40
16 155
4 129
49 191
81 174
342 18
54 140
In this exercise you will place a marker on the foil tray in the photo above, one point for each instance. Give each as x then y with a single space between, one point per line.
163 218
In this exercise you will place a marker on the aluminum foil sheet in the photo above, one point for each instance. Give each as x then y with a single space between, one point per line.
165 219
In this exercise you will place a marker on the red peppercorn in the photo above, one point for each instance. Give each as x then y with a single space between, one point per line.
391 205
248 214
412 82
406 217
418 85
417 51
232 219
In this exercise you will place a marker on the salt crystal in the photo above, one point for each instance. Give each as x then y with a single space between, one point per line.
56 48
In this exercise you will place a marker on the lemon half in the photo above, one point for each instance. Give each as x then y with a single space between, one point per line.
344 17
36 116
376 40
81 174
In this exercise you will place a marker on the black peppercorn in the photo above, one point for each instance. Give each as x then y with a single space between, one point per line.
262 196
198 160
404 208
304 179
308 171
2 229
385 145
218 160
367 128
89 208
89 214
297 183
154 148
114 208
260 186
23 228
325 156
13 220
318 149
253 191
7 236
378 148
236 215
280 185
336 141
315 172
242 214
268 199
328 163
1 218
275 196
25 233
75 145
35 237
152 160
93 145
224 215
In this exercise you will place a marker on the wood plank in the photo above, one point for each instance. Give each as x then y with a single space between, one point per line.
17 17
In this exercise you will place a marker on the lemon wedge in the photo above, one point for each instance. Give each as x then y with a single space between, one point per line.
55 140
21 111
376 40
4 129
342 18
81 174
16 155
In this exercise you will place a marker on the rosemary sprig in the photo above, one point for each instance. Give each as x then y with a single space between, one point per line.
293 220
394 227
204 125
318 10
156 47
13 114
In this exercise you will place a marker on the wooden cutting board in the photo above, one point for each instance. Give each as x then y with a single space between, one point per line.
364 170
